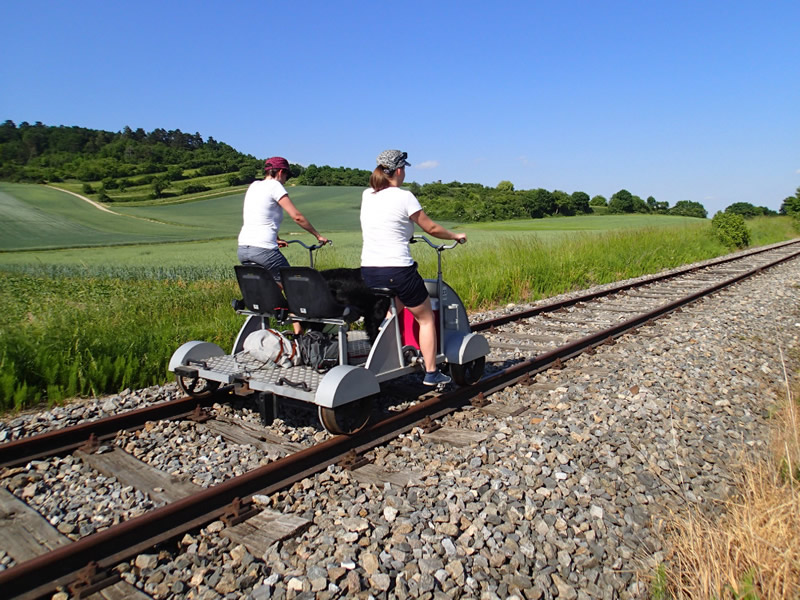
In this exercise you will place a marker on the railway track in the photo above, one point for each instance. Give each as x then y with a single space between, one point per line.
522 344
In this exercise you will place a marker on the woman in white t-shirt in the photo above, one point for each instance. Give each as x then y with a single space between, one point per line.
388 215
262 214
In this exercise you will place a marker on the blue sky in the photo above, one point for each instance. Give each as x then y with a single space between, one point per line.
678 100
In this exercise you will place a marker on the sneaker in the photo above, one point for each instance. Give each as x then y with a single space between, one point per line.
436 378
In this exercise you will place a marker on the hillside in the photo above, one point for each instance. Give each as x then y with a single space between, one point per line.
37 217
137 166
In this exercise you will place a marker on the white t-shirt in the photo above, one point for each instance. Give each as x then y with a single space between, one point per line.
261 214
386 227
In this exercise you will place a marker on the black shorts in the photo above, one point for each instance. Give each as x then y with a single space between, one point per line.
406 282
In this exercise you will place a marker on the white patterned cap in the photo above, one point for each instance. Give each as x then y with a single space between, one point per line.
393 159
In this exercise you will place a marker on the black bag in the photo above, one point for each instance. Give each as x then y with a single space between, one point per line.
319 350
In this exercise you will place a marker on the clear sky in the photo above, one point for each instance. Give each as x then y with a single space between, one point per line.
679 100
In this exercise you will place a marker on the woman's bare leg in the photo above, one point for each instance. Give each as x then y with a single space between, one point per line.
427 333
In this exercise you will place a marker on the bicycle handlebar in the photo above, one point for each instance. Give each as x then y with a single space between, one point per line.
306 246
439 247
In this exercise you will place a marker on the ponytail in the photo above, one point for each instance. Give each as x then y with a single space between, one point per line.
379 180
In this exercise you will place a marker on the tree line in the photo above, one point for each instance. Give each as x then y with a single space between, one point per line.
38 153
109 163
475 202
116 161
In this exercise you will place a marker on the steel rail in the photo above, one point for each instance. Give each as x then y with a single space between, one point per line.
42 575
67 439
553 306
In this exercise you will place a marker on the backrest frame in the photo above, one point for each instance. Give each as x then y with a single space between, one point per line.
260 292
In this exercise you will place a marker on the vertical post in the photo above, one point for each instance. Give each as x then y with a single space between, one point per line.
267 407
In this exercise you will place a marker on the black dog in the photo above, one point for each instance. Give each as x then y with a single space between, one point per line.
349 289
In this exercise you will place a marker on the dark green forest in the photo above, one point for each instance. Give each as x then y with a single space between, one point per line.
134 165
38 154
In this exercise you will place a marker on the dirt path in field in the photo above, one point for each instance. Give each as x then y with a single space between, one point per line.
85 199
103 208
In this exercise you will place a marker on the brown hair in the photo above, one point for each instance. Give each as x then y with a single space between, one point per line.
270 172
379 180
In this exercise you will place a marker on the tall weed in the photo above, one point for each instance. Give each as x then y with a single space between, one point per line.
67 337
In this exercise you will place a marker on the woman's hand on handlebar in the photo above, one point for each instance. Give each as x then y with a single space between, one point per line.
461 238
322 240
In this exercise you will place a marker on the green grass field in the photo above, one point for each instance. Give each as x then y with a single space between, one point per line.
96 316
39 217
33 217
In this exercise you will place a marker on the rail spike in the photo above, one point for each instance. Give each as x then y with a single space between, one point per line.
238 511
199 415
91 445
428 425
479 401
352 460
90 580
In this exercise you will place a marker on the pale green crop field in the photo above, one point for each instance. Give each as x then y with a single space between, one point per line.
46 228
36 217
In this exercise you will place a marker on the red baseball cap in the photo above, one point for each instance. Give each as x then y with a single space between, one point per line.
276 162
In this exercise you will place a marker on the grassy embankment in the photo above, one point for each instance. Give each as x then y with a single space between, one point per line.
96 320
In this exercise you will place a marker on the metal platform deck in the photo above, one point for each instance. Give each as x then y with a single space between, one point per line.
299 382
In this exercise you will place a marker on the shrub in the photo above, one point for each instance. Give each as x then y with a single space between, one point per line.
195 188
729 228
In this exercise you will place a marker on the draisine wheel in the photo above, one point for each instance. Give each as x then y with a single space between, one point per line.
196 387
468 373
410 354
348 418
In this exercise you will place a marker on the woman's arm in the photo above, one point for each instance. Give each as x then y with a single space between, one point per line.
291 210
431 227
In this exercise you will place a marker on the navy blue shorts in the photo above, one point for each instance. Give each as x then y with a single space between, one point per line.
271 259
406 282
